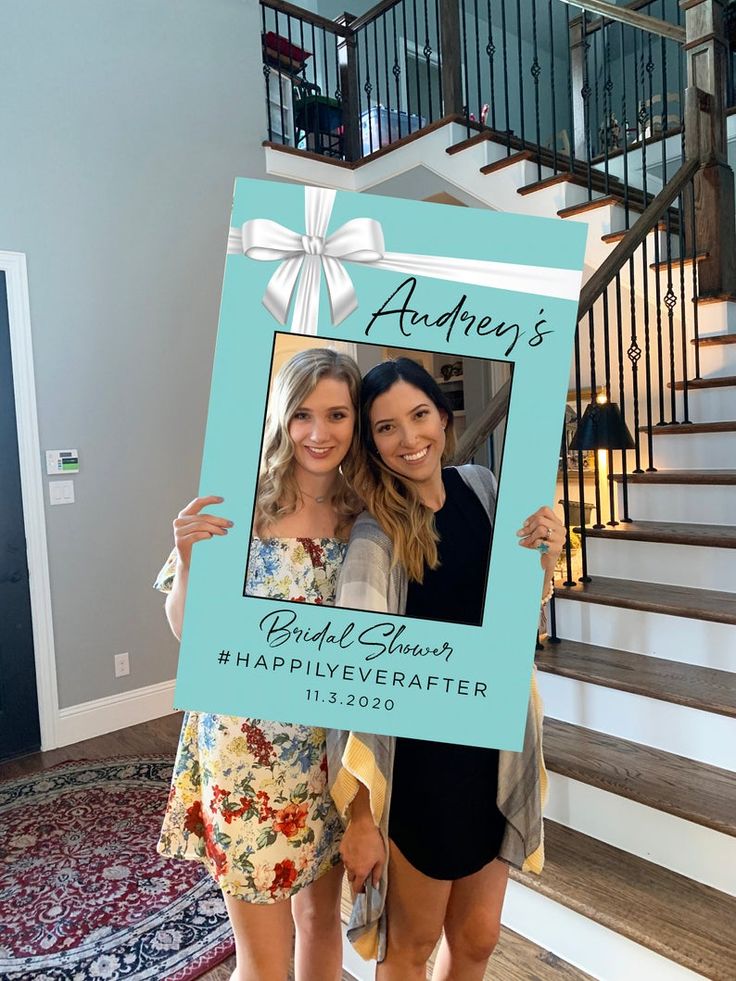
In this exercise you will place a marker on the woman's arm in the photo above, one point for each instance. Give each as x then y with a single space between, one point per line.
190 526
359 785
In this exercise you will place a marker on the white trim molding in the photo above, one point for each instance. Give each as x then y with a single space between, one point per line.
13 264
96 718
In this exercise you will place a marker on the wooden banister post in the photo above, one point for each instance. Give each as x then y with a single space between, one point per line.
706 48
577 82
348 63
450 59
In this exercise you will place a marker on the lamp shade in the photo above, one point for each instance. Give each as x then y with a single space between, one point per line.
602 428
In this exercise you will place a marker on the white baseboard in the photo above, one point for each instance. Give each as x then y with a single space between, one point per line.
103 715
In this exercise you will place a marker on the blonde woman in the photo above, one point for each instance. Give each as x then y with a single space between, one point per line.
432 826
249 798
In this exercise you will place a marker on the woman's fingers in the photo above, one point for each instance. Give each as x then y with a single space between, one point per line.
543 527
209 521
195 506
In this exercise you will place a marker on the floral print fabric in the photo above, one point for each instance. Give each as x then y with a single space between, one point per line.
249 798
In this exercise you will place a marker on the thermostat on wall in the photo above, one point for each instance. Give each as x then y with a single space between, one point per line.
62 461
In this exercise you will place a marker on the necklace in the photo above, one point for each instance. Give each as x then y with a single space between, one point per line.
320 500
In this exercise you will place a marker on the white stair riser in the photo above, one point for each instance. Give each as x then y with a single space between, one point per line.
717 360
694 451
712 645
715 318
580 941
676 729
695 851
702 567
708 404
699 503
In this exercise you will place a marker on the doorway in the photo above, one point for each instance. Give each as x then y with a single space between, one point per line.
19 723
28 689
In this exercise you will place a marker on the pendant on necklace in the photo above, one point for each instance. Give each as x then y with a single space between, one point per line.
319 500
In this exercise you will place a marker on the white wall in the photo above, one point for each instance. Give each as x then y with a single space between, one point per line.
123 125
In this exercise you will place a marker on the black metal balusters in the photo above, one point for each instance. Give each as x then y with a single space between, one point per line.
490 51
504 36
622 400
535 72
427 52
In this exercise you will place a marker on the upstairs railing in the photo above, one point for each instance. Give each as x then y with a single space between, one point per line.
588 93
629 100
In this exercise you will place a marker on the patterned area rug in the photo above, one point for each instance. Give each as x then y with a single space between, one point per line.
83 893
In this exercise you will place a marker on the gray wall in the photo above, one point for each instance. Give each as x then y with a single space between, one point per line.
123 125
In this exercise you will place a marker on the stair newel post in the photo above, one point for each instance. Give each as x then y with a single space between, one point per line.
705 120
577 81
581 92
450 48
348 65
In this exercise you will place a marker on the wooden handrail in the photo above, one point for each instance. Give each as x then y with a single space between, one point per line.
373 13
600 279
284 7
479 431
627 15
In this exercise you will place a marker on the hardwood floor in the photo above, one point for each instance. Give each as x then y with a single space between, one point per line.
515 959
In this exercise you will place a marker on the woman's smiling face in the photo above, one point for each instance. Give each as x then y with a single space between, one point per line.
409 431
321 428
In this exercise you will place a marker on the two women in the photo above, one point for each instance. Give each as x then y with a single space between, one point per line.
421 548
249 798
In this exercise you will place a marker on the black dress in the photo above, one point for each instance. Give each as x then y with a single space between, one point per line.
443 815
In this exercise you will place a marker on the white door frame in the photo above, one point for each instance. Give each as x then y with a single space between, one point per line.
13 264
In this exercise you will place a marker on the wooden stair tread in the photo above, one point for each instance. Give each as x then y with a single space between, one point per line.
607 199
668 532
677 601
685 788
706 689
689 428
617 236
714 477
681 919
698 383
716 298
509 161
514 959
564 178
685 261
715 340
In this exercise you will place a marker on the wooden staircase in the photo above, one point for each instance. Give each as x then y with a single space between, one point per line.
640 694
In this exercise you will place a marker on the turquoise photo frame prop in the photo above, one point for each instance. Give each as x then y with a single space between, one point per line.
362 268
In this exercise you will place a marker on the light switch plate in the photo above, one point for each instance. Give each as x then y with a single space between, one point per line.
61 492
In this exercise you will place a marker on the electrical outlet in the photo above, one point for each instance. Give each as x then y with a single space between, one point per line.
122 665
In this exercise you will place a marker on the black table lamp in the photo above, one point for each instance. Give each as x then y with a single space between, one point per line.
602 428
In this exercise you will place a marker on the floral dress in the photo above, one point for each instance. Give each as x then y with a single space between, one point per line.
249 798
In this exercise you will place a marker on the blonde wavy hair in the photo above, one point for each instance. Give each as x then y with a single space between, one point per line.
278 493
393 500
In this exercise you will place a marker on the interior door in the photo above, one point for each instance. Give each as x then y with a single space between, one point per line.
19 727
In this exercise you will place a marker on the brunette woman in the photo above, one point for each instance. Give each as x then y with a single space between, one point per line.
422 549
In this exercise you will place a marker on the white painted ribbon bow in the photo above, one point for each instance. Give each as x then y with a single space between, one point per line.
361 240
